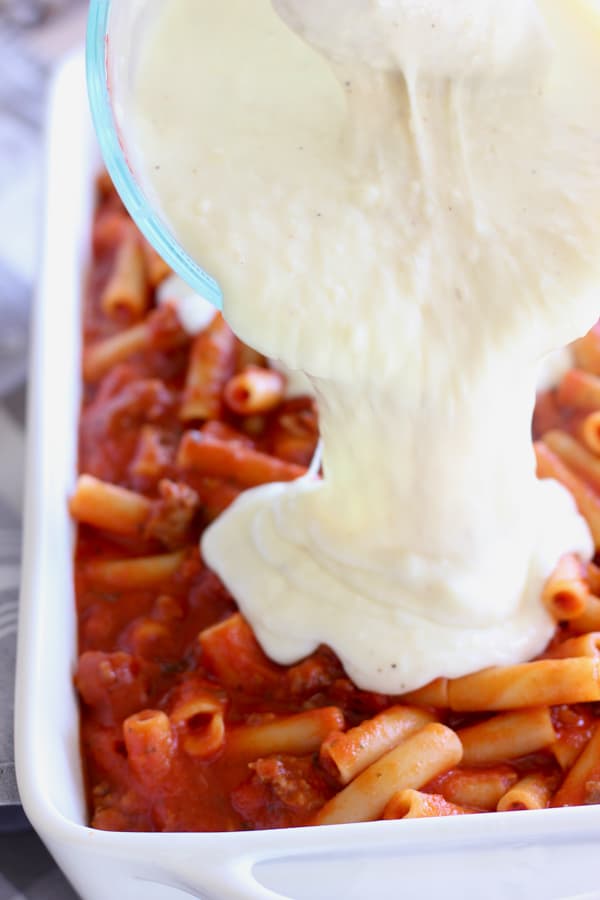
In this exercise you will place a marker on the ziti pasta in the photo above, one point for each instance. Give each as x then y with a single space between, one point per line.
185 723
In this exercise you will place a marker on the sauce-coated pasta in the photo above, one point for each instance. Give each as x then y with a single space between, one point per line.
186 724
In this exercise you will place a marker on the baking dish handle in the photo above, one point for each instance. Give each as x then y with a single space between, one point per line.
231 878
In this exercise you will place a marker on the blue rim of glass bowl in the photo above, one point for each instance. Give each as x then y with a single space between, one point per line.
133 197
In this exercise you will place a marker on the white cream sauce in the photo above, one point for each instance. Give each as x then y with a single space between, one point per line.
193 311
553 368
410 216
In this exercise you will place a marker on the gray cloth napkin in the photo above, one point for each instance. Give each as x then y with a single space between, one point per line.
33 36
11 480
27 871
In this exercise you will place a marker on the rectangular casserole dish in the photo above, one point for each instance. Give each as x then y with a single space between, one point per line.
545 855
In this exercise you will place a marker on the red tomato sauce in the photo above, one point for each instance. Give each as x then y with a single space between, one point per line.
139 646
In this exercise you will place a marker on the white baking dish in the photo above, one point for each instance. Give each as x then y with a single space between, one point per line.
543 855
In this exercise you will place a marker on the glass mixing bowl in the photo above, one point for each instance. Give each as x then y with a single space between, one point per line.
116 30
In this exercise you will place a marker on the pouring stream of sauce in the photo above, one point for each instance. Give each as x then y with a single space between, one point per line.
402 200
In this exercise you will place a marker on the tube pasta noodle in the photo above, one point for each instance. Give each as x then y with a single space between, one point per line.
208 455
211 365
579 390
565 753
149 744
570 744
507 736
547 414
532 792
255 390
233 654
586 351
592 573
108 506
583 645
433 694
566 591
589 432
200 718
589 620
147 635
138 572
157 270
185 723
347 754
223 432
478 788
300 734
127 289
412 804
216 495
100 358
416 761
161 328
574 455
547 681
582 784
